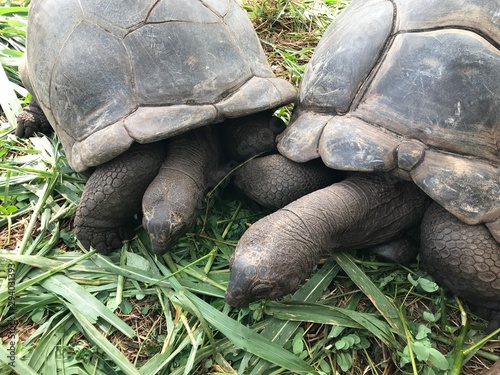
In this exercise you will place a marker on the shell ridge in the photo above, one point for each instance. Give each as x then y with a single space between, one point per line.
151 10
474 31
213 11
367 81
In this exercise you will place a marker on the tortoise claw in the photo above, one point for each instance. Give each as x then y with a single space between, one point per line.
104 239
31 121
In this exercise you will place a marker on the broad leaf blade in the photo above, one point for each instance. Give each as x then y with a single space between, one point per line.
379 300
280 331
84 301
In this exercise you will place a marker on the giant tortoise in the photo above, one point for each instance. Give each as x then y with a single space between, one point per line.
405 94
117 78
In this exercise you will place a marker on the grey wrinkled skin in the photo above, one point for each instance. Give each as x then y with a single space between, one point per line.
277 253
102 220
469 255
174 199
33 121
274 181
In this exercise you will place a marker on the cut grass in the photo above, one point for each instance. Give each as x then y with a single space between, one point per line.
134 313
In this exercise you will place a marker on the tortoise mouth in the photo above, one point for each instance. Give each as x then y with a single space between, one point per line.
241 297
239 291
237 300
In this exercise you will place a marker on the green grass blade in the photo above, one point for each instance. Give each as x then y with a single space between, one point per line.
54 265
22 11
379 300
334 316
316 313
8 99
159 361
313 289
38 278
280 331
54 331
20 366
50 363
223 346
68 289
194 350
36 261
248 340
84 301
39 194
243 337
93 334
131 272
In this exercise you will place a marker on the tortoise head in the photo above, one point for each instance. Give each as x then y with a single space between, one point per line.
258 273
164 230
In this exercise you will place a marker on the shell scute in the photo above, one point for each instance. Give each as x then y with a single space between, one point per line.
172 64
87 98
346 55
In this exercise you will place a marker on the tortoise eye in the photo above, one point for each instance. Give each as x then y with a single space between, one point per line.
262 290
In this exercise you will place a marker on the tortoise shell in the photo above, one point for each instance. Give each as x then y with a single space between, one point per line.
410 87
110 73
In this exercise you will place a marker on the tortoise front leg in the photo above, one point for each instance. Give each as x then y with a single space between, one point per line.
113 195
